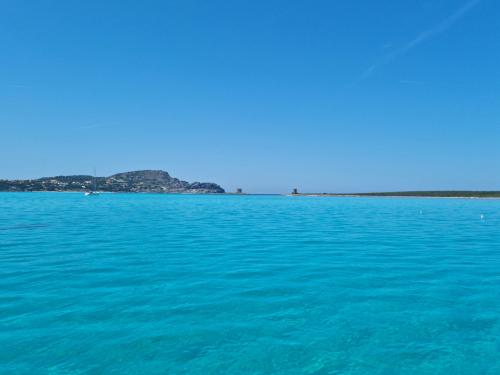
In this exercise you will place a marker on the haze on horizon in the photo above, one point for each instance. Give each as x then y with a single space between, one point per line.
345 96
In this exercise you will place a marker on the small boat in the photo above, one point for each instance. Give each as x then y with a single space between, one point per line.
94 190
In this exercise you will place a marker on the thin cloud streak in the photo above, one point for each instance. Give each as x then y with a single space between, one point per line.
18 86
419 39
93 126
410 82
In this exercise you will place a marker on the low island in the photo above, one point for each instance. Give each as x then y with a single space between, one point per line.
415 194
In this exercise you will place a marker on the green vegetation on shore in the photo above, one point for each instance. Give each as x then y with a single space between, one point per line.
429 194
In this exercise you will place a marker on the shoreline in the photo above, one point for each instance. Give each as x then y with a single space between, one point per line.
319 195
391 196
142 192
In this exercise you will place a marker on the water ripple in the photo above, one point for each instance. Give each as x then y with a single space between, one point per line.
155 284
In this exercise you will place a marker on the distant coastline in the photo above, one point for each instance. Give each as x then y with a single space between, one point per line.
459 194
158 181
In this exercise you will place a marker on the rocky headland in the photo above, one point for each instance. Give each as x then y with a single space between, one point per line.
147 181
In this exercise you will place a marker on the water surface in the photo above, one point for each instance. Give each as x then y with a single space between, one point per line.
186 284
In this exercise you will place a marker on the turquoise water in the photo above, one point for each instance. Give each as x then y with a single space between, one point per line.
181 284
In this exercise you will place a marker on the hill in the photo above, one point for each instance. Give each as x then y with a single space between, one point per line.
147 181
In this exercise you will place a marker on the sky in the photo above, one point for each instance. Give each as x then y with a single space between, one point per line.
323 96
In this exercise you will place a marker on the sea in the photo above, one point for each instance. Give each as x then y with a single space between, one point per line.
243 284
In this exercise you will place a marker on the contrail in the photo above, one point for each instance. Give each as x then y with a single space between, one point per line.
420 38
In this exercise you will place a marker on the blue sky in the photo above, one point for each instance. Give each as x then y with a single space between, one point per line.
337 96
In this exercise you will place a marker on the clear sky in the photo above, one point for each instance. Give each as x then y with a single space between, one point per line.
337 96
